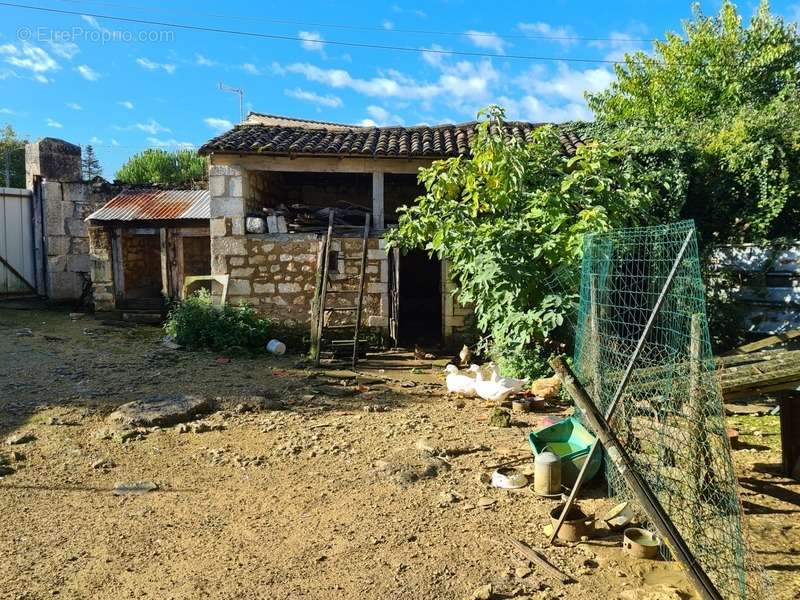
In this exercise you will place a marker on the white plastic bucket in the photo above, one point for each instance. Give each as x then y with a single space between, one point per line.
276 347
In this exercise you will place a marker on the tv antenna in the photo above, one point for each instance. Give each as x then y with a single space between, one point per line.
240 92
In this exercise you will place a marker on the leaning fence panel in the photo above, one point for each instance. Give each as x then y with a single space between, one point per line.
670 417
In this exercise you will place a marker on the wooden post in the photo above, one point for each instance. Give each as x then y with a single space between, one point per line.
377 200
594 339
315 300
790 433
644 495
117 265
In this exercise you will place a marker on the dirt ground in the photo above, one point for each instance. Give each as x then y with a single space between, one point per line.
335 496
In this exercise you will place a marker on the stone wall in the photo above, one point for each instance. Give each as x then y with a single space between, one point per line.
276 273
458 320
65 202
102 270
66 205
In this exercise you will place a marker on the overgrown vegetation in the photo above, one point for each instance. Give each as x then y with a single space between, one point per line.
156 166
12 158
199 325
706 127
719 104
508 216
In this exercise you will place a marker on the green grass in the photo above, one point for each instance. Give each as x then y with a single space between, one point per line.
768 426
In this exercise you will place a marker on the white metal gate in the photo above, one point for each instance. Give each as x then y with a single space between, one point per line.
17 266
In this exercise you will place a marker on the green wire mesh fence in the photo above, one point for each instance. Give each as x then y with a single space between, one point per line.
670 417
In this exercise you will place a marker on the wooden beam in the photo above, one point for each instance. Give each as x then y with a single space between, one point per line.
377 200
322 164
767 342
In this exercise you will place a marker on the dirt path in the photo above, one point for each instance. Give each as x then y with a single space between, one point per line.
321 500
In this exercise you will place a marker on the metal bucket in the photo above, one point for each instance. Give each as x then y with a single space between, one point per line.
640 543
547 474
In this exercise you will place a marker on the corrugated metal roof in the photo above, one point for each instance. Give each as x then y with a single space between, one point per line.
155 205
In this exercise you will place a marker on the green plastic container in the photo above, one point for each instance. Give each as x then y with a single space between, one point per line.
571 441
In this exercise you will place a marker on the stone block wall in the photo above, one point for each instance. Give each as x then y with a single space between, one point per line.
276 273
458 320
102 273
66 205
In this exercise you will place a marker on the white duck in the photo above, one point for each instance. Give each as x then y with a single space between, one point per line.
515 384
458 383
494 391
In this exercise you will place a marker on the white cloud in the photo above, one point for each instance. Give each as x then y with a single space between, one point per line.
434 58
114 142
536 110
66 50
380 116
87 72
218 124
126 104
409 11
486 40
395 86
328 100
74 106
250 68
150 65
463 85
8 111
170 143
204 61
93 22
312 40
559 34
53 123
95 140
29 57
152 127
617 45
567 83
388 25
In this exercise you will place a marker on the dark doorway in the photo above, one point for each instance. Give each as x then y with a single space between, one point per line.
420 300
141 260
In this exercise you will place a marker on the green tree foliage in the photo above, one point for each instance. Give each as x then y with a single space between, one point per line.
12 158
162 167
508 216
720 103
90 164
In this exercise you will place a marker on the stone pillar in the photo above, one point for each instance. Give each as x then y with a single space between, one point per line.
101 267
64 201
226 184
52 159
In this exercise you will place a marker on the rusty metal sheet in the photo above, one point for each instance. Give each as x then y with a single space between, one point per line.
155 205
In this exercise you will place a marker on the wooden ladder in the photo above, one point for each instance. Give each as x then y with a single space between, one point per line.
325 290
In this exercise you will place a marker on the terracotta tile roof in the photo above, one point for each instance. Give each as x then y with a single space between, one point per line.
155 205
267 134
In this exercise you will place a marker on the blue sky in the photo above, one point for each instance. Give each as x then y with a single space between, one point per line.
125 86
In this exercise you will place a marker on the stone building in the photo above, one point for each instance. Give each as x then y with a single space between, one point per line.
144 243
268 164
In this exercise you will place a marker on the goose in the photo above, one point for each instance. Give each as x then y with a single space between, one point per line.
515 384
494 391
458 383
